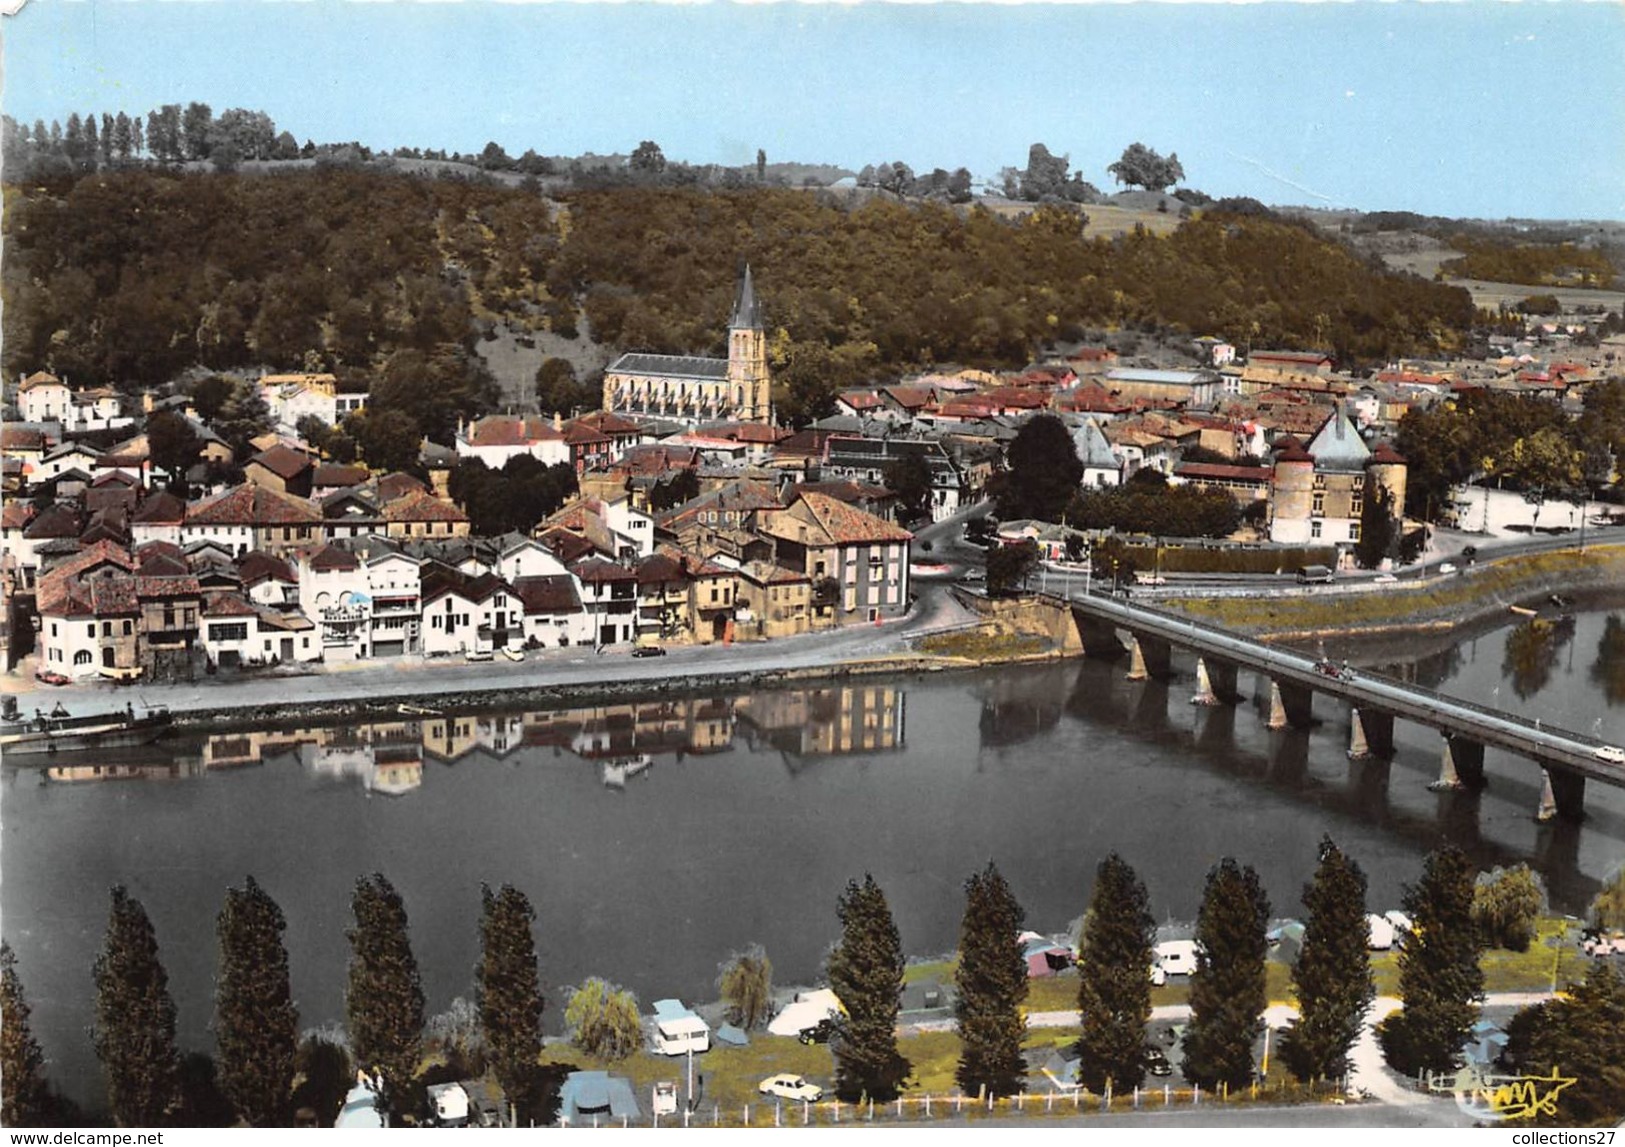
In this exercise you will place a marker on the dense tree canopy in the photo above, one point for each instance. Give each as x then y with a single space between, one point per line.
1440 980
990 987
383 1001
508 991
1227 989
1114 973
26 1098
1332 978
1140 166
1581 1038
134 1032
866 973
255 1021
1044 471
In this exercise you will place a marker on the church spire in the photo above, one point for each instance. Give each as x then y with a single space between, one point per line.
747 311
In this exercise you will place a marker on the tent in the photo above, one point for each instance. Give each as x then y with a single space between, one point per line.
805 1011
735 1036
587 1095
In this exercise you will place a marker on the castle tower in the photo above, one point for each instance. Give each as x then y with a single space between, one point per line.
1291 492
749 387
1387 469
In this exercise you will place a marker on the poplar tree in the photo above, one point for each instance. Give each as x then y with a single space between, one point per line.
508 990
1228 993
1440 981
1332 979
991 986
1114 966
866 973
134 1032
25 1100
383 1002
256 1025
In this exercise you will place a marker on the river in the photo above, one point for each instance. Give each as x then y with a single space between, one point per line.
654 839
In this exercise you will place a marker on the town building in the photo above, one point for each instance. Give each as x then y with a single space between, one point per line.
693 389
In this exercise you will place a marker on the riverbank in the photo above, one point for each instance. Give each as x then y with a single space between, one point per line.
1440 603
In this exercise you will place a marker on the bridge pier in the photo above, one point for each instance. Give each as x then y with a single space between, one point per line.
1149 657
1461 766
1099 638
1562 794
1204 694
1221 677
1289 705
1371 734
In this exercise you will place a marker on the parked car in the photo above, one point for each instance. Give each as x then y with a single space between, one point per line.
51 678
513 654
664 1099
787 1085
1613 754
1447 567
975 576
478 655
1597 943
649 651
1385 579
820 1032
1157 1063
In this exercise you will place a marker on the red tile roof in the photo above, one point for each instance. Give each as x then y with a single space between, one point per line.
285 463
251 505
422 506
848 526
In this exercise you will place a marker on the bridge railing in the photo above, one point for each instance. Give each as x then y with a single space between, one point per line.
1259 651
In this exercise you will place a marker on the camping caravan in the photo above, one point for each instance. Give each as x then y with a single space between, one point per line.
1177 957
679 1031
805 1012
1379 932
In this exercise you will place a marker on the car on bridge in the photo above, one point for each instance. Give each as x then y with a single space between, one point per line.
1613 754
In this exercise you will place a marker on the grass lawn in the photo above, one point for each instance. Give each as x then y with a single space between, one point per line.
979 645
1504 579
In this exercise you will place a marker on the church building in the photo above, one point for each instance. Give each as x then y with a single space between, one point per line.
695 390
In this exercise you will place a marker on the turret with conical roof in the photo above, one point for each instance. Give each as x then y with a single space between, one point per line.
751 394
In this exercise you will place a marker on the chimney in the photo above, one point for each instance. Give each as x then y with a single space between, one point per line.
558 421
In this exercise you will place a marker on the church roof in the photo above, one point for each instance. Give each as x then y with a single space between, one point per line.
670 366
747 309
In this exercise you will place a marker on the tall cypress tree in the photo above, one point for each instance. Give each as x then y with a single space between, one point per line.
1332 979
1114 993
1440 980
508 991
383 1002
134 1033
1227 989
256 1025
25 1100
991 985
866 973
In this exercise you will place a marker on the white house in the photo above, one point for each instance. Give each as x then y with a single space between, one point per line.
554 615
42 397
463 614
498 438
527 558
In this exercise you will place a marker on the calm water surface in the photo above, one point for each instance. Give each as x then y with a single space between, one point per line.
655 839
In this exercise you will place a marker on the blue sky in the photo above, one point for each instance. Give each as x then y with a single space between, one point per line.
1477 108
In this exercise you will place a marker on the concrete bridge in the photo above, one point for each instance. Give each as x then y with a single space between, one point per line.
1566 759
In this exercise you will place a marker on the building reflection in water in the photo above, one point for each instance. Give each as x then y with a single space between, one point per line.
622 741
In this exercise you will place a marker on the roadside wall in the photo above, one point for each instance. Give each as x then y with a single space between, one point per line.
1033 616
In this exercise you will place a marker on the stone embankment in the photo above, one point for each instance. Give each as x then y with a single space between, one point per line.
1440 602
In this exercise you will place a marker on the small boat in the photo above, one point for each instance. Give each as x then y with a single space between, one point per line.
58 732
1524 611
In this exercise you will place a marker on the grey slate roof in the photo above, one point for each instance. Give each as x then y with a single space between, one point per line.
670 366
747 309
1338 446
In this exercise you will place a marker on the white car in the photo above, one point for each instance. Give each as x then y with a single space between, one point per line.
513 654
1385 579
1447 567
664 1099
1613 754
790 1086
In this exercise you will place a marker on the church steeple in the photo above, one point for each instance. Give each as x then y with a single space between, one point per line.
747 313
